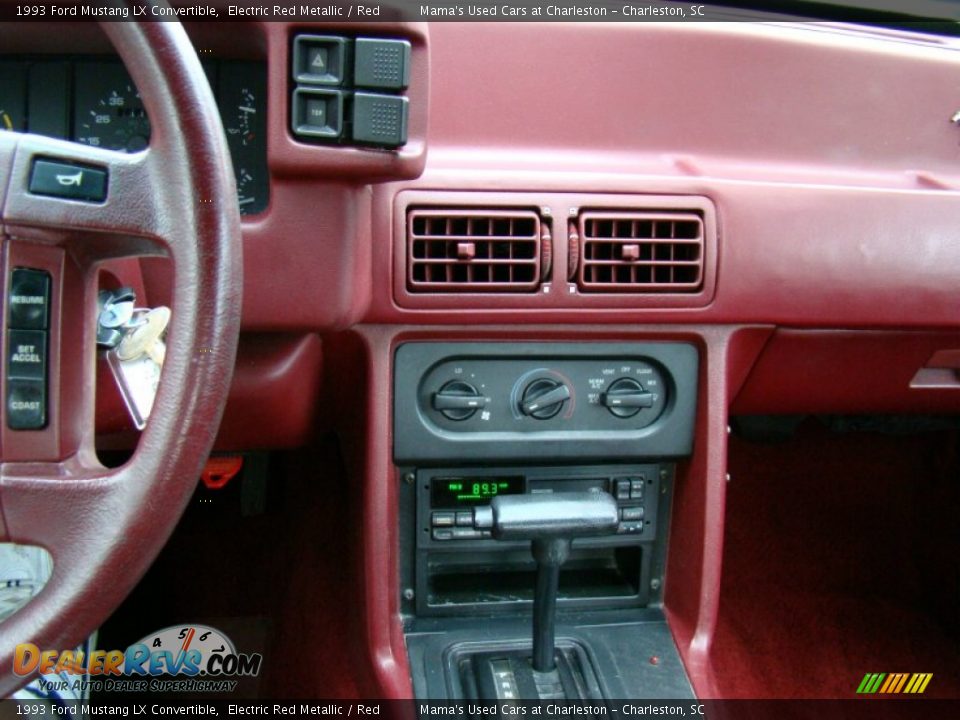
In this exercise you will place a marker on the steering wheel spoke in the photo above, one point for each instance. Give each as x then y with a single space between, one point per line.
43 503
59 190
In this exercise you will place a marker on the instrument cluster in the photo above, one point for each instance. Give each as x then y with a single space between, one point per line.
94 101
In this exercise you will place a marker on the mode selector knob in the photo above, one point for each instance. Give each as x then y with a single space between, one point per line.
458 400
626 397
544 398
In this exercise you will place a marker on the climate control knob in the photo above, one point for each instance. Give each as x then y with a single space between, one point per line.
544 398
458 400
626 397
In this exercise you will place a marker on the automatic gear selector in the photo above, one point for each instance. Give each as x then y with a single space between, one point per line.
551 521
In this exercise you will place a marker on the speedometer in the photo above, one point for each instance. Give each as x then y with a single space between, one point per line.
108 112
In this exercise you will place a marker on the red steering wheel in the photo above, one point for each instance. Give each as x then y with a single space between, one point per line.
104 527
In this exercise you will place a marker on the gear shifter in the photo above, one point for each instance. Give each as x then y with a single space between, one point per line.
551 521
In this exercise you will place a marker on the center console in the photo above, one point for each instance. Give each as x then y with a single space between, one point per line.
479 429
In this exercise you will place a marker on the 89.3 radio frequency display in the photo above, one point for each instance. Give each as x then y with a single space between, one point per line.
451 492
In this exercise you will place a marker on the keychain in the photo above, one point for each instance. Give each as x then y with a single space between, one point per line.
137 350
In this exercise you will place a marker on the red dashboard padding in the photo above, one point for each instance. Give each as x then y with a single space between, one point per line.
821 371
272 403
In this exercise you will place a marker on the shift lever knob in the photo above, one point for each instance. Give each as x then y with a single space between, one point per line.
565 515
551 521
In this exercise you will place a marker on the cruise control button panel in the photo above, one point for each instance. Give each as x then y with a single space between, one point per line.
28 318
68 181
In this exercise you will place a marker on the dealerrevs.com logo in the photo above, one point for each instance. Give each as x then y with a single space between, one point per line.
186 658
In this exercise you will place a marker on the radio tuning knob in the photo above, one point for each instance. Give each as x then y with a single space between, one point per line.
544 398
458 400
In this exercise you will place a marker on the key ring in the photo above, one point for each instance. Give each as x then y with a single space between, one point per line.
137 318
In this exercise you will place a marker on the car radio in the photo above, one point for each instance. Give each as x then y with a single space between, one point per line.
455 568
452 495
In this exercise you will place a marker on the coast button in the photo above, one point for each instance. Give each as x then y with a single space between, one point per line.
26 404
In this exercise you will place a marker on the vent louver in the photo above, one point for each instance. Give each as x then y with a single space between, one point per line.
475 250
640 252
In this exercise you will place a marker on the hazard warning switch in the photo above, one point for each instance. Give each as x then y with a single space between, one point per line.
320 59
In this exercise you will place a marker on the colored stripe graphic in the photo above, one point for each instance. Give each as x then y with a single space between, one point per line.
901 683
894 683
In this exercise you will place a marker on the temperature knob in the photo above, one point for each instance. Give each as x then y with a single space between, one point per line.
458 400
544 398
626 397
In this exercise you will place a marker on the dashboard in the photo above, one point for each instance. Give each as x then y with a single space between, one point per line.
590 272
92 100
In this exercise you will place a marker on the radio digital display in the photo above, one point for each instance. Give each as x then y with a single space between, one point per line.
454 492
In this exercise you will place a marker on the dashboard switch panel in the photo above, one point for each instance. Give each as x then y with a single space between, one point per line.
330 102
530 401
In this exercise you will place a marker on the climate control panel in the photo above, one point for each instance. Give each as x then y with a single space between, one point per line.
520 400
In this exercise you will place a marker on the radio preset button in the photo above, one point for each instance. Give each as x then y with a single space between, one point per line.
465 518
622 489
462 533
442 534
443 519
636 488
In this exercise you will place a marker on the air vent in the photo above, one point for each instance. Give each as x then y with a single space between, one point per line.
475 250
640 252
